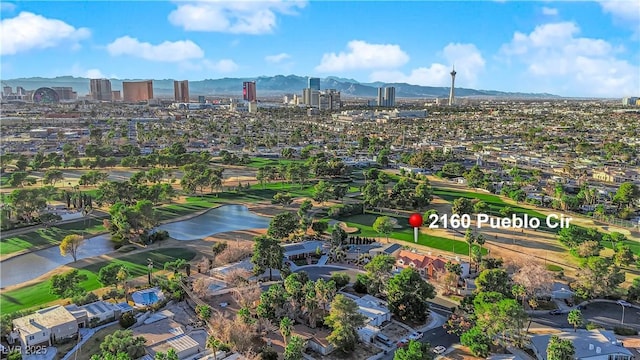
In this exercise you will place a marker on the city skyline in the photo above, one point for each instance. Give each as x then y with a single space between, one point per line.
564 48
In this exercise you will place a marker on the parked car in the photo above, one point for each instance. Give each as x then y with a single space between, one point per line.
402 343
416 336
623 303
439 349
556 312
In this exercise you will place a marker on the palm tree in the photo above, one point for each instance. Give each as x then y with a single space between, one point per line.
214 344
575 318
286 325
468 236
480 241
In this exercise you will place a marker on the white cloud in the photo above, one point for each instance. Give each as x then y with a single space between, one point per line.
236 17
468 63
556 56
167 51
94 74
549 11
626 10
274 59
221 66
30 31
362 55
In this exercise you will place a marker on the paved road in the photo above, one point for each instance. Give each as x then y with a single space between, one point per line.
608 314
435 337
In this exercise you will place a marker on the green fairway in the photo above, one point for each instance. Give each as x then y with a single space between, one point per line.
38 294
495 205
365 222
255 193
50 236
257 162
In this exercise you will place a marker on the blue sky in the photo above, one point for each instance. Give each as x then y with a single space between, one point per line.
568 48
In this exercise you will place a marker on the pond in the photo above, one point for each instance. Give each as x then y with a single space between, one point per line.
225 218
222 219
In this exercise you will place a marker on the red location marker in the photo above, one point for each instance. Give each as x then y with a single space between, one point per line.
415 220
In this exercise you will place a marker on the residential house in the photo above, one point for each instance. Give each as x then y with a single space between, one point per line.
45 326
589 344
429 266
302 250
96 312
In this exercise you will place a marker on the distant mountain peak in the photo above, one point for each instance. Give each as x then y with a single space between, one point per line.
273 85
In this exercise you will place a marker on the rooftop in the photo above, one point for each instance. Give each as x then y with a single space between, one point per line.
43 319
588 343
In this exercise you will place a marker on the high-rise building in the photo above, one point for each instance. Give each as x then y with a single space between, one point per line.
249 91
201 99
386 97
181 91
380 101
452 95
6 91
20 91
116 95
136 91
314 83
66 93
329 100
390 96
100 89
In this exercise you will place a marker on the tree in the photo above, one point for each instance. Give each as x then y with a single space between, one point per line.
407 294
48 219
322 191
414 350
219 247
383 226
282 225
341 279
108 275
67 285
267 254
470 239
378 272
462 206
633 293
70 245
623 255
626 194
286 325
204 312
122 341
52 177
293 350
345 320
283 199
169 355
214 344
494 280
478 342
575 318
107 356
519 292
600 277
480 207
535 278
560 349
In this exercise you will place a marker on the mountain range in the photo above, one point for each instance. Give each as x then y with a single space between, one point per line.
274 85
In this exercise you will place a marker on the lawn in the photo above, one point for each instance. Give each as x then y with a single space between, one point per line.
50 236
38 294
257 162
495 205
365 222
255 193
